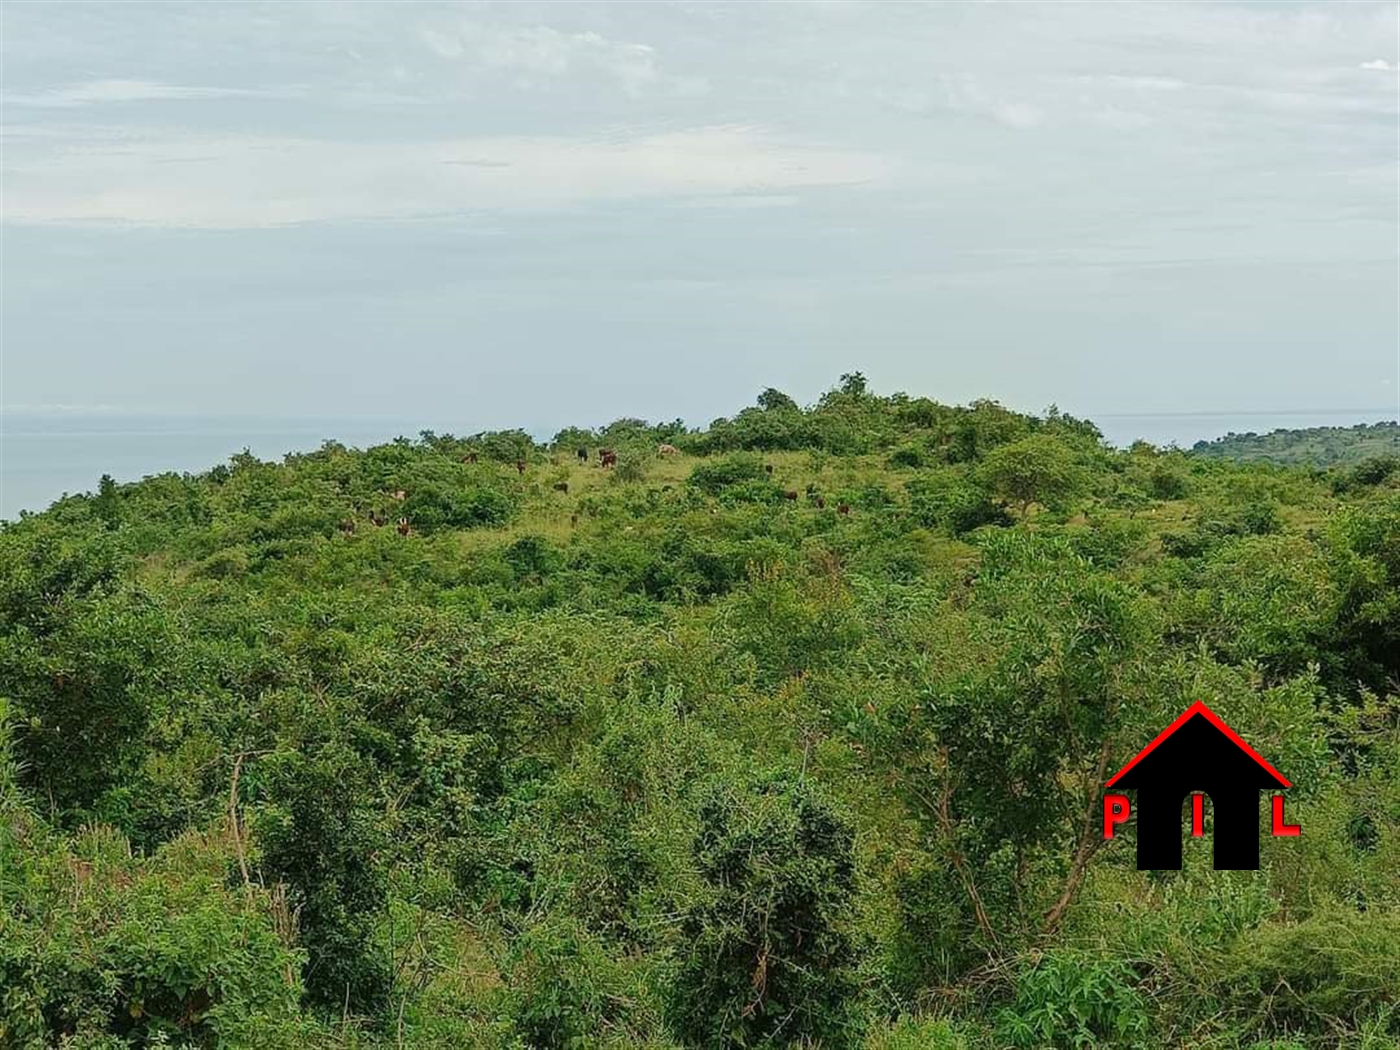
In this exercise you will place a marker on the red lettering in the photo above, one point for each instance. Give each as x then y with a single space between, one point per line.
1198 816
1115 811
1281 829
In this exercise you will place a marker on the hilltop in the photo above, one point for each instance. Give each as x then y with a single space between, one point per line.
790 735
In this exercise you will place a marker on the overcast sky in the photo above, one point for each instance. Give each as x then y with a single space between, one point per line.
535 214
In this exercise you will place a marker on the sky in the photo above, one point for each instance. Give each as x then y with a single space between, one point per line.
491 215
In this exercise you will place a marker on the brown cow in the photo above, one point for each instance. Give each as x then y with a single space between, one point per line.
791 495
347 526
563 487
470 457
820 503
378 520
405 529
520 466
843 508
607 457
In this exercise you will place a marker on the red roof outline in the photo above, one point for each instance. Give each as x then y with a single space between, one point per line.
1210 716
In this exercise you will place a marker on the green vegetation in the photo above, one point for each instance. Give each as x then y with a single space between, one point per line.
1310 446
662 756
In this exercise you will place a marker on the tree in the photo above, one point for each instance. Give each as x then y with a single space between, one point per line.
854 384
107 504
772 399
1037 469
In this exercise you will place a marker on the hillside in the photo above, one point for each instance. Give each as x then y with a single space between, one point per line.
794 736
1310 446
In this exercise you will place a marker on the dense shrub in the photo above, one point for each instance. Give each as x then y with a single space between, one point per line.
719 475
768 949
431 508
682 762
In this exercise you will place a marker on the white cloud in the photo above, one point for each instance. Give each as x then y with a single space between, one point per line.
541 53
1016 114
100 92
968 95
1379 64
173 178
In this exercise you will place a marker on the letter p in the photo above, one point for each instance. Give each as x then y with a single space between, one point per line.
1115 811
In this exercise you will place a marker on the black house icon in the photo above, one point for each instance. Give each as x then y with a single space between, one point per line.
1198 752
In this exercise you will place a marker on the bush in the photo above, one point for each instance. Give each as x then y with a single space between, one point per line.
565 991
431 507
950 501
767 952
1338 966
1071 1000
908 456
719 475
324 850
98 948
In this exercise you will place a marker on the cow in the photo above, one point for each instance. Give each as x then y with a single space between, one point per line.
790 495
405 529
666 450
607 457
400 495
843 508
819 503
520 466
563 487
347 527
768 469
470 457
582 455
378 520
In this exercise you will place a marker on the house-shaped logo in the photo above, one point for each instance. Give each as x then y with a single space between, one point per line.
1200 756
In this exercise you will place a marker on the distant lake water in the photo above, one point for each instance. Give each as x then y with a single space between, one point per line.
43 456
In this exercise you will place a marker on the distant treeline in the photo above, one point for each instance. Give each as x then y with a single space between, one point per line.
1309 446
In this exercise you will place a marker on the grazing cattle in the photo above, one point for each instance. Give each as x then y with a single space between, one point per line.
820 503
666 450
790 495
768 468
573 519
399 494
607 457
378 520
583 455
470 457
405 529
520 466
347 526
563 487
843 508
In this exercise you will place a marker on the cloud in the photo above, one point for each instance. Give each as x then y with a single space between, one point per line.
966 94
101 92
541 53
1379 64
175 178
1016 114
